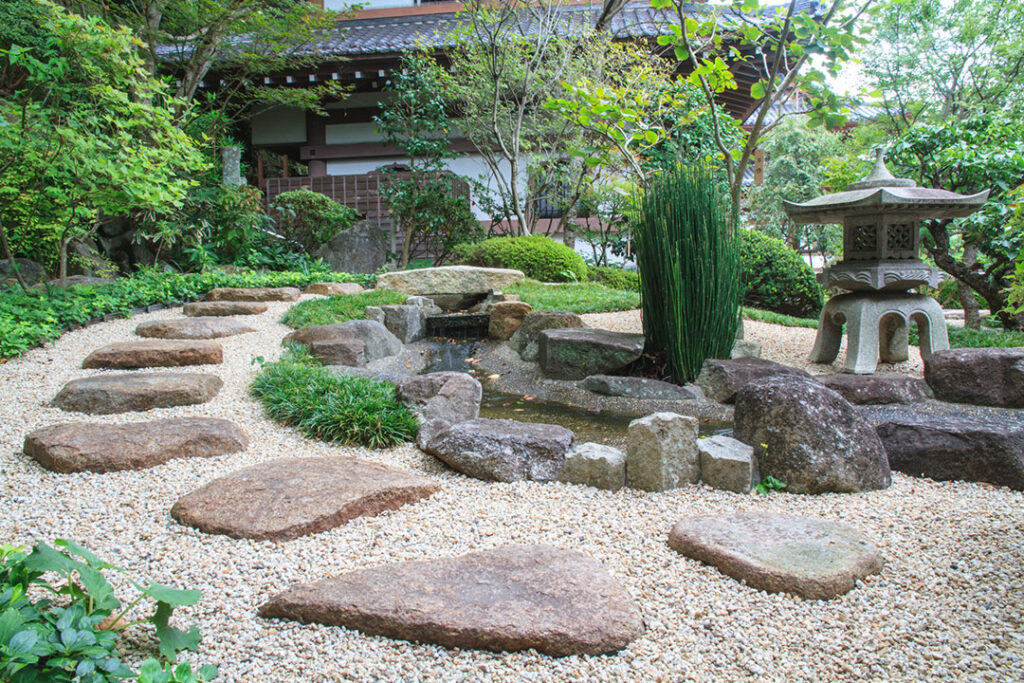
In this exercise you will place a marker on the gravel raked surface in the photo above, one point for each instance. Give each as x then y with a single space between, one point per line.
948 604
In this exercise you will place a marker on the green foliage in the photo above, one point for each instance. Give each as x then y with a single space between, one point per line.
616 278
338 309
779 318
776 278
73 637
583 297
341 409
689 269
538 256
769 485
309 218
28 318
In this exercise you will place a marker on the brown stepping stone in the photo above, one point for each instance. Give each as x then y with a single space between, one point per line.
253 294
85 447
125 392
334 288
284 499
155 353
812 558
211 327
222 308
559 602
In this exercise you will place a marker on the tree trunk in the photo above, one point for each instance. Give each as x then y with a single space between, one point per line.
972 316
62 271
10 258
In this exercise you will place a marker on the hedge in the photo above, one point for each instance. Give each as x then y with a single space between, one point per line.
539 257
616 278
776 278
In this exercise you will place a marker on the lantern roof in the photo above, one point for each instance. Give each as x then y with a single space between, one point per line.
881 192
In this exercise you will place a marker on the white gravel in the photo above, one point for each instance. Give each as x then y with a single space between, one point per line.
948 605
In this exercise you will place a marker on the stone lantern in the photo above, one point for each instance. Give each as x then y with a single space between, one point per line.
881 216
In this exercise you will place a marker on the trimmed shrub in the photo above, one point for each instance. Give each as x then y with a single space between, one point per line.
310 218
338 309
776 278
538 256
616 278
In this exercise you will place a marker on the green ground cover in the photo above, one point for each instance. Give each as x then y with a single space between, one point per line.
338 309
578 297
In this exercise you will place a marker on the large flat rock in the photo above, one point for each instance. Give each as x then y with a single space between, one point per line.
878 389
253 294
525 340
87 447
353 342
223 308
284 499
812 558
720 379
208 327
559 602
449 280
155 353
122 393
334 288
984 377
577 353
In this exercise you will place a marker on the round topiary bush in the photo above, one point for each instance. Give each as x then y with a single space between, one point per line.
616 278
776 278
310 218
538 256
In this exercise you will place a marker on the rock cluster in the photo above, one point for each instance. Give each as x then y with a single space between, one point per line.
353 342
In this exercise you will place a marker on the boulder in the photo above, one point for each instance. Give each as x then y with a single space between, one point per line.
721 379
31 272
429 431
661 452
809 437
85 447
339 351
728 464
408 323
743 348
510 598
155 353
641 387
376 340
984 377
574 354
427 304
524 340
450 287
811 558
122 393
360 248
284 499
222 308
451 396
334 288
594 464
253 294
503 450
983 446
877 389
506 317
212 327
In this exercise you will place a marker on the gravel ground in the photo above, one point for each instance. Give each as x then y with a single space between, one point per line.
947 606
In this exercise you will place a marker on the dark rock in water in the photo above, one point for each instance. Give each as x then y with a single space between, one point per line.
502 450
575 354
812 558
720 379
558 602
984 377
641 387
809 437
877 389
525 340
360 248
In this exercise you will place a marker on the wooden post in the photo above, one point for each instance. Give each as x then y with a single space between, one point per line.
284 165
758 166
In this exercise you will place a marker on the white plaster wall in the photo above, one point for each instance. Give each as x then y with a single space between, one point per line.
279 126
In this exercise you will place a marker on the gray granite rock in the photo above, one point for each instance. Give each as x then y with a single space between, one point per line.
408 323
721 379
877 389
641 387
253 294
360 248
728 464
662 453
377 341
984 377
597 465
450 396
524 340
209 327
575 354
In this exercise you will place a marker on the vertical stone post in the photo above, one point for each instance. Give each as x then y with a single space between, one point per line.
231 158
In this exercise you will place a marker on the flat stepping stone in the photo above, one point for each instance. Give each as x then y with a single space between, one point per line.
334 288
85 447
155 353
222 308
559 602
210 327
253 294
126 392
811 558
284 499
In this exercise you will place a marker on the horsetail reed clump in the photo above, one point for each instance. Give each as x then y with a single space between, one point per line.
690 278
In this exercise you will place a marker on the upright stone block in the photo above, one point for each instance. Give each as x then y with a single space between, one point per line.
728 464
594 464
662 452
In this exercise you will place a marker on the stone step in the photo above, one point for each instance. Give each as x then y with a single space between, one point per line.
126 392
517 597
812 558
334 288
155 353
284 499
253 294
210 327
223 308
88 447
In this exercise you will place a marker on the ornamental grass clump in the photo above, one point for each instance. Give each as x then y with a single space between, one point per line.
689 267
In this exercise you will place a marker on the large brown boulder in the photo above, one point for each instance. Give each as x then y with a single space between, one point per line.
984 377
122 393
877 389
283 499
575 354
809 437
812 558
506 318
334 344
85 447
524 340
720 379
558 602
222 308
210 327
155 353
253 294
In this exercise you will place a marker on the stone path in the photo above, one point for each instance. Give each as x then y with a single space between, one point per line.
223 308
253 294
153 353
207 327
119 393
